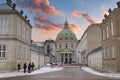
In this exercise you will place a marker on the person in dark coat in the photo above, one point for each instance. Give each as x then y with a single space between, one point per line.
24 67
29 67
32 66
19 66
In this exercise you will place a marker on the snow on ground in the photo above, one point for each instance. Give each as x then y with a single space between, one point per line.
21 73
45 70
112 75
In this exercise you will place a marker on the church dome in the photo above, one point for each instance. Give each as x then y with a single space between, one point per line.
66 33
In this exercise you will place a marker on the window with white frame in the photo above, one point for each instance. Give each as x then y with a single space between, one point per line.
108 53
19 52
2 51
19 29
3 25
112 28
103 34
107 32
104 54
113 52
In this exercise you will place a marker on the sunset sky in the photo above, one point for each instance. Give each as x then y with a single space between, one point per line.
48 16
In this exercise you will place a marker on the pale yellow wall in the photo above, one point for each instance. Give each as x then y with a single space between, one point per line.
95 60
12 40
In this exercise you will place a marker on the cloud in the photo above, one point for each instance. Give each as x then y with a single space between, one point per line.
87 17
39 6
82 2
43 23
44 26
104 10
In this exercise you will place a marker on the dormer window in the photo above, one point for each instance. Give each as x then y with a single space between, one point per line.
66 38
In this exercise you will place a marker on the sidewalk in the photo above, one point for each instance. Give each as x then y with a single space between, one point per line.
100 73
21 73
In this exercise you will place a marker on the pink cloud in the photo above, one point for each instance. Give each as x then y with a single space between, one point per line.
87 17
39 6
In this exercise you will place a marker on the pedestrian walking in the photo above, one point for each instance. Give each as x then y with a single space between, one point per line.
29 67
19 66
32 66
24 67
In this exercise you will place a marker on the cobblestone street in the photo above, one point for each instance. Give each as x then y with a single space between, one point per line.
69 73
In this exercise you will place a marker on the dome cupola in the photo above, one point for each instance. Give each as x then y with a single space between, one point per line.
66 33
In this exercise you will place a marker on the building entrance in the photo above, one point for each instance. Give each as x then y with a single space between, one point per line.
66 58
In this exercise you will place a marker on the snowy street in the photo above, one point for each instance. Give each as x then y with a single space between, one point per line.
59 73
21 73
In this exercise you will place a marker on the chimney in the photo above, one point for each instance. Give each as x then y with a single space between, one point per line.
110 11
9 2
14 6
28 20
105 15
118 4
25 16
21 12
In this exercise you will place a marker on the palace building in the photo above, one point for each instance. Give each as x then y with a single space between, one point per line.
15 37
111 40
66 45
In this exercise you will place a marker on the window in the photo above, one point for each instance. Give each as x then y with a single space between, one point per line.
59 46
107 32
66 46
19 52
108 53
2 51
103 34
71 46
66 38
113 52
112 28
72 38
104 54
3 26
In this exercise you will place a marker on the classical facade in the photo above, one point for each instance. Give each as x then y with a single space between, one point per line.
15 37
90 40
111 40
66 45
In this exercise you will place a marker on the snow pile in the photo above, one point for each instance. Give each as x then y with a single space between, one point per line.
112 75
41 70
45 70
12 74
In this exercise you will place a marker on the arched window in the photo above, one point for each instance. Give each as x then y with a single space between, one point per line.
71 46
60 46
72 38
66 46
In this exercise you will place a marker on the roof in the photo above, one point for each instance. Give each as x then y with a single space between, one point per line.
5 7
66 34
36 48
95 50
49 41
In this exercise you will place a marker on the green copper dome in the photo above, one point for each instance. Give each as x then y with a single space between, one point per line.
66 33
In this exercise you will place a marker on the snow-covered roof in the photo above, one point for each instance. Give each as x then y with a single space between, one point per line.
36 48
95 50
4 7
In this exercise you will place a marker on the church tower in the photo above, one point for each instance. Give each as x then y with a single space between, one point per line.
66 45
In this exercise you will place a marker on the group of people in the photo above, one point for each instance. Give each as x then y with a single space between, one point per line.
30 67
